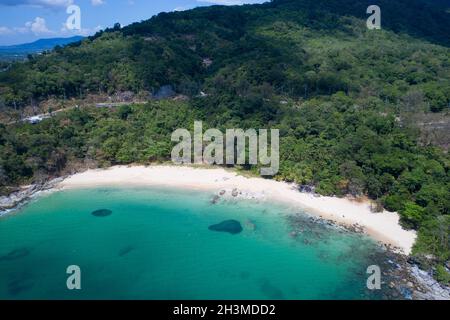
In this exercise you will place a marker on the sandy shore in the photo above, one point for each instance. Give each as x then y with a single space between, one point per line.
383 227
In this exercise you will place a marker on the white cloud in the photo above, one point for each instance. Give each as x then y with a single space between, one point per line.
38 3
38 26
5 31
97 2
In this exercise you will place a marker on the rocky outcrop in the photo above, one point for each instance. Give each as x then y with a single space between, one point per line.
433 290
16 199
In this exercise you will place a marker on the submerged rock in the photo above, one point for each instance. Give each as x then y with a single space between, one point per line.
230 226
271 291
293 234
16 287
250 225
215 199
15 254
126 250
102 213
406 293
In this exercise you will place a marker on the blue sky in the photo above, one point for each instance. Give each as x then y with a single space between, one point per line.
24 21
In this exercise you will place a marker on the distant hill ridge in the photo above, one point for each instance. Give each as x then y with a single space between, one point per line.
37 46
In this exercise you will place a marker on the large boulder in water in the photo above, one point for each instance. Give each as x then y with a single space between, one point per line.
230 226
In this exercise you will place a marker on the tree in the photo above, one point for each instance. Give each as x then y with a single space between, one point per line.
124 111
356 179
412 214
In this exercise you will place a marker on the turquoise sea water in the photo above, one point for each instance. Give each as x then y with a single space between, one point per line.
156 245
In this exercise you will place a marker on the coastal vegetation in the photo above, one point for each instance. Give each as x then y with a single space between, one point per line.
342 96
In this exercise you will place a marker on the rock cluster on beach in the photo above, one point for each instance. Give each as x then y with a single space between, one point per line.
18 198
236 194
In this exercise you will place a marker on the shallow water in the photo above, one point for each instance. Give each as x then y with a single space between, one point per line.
156 244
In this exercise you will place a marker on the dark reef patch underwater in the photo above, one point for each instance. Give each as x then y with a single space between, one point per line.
15 254
18 286
126 250
230 226
102 213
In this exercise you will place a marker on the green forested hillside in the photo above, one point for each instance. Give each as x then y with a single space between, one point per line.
341 95
300 48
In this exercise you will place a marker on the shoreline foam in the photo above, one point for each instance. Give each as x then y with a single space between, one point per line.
383 226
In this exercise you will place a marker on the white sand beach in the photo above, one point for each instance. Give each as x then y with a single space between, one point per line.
383 227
